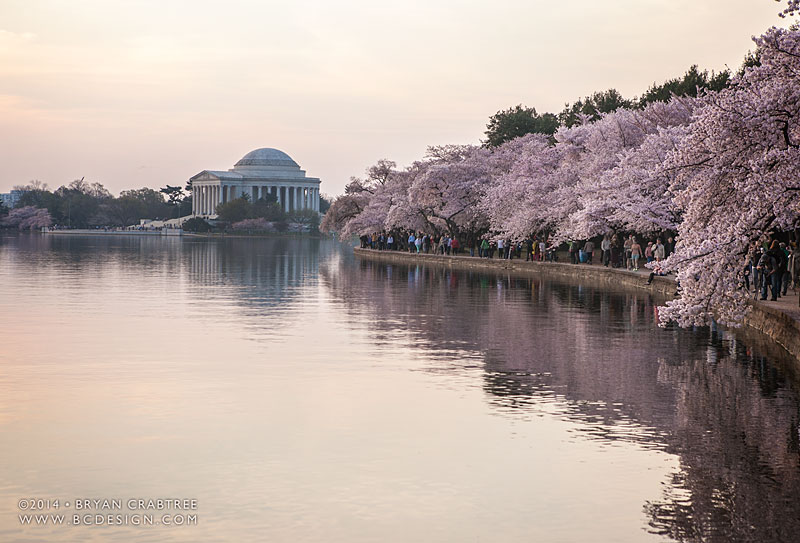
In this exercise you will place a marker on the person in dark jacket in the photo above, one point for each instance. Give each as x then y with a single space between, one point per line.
769 267
782 261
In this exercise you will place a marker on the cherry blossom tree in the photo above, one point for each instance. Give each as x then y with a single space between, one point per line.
792 7
28 218
740 164
440 194
527 186
622 185
356 197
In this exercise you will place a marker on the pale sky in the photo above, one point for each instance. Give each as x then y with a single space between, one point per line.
151 92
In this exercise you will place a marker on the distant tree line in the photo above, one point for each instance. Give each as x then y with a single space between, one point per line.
81 204
519 120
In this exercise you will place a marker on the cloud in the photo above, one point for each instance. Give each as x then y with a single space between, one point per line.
12 38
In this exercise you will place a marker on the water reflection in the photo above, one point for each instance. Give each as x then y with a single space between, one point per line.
290 386
725 409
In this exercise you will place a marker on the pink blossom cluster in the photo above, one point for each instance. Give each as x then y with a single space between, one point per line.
259 223
28 218
720 169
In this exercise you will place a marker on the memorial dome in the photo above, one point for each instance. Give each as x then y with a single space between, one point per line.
266 156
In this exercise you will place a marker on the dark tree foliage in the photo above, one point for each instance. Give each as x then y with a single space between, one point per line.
751 59
42 198
177 197
267 208
324 203
687 85
240 209
517 121
196 224
174 194
132 205
235 210
592 107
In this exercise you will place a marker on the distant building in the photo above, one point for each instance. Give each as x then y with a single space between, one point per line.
259 173
10 199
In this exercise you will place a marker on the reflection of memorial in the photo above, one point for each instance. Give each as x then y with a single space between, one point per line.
597 358
264 271
267 272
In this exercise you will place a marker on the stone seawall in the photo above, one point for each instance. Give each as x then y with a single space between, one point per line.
780 326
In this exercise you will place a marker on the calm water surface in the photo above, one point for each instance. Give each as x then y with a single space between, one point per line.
299 394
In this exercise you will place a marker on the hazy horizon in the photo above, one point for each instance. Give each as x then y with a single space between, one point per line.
134 94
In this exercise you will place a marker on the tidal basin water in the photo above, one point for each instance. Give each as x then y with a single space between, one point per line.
300 394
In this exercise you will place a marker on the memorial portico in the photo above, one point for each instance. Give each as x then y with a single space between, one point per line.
259 173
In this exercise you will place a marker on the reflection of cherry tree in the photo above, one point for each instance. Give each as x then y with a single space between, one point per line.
737 440
540 347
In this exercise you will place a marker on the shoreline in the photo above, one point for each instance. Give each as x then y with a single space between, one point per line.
178 233
101 232
779 321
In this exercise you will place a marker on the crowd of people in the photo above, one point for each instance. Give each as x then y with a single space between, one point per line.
413 242
614 251
773 266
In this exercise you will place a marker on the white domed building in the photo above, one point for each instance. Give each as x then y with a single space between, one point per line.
259 173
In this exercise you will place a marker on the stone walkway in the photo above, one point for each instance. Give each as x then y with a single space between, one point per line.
789 304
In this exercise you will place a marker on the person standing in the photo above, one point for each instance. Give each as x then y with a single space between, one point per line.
588 248
605 246
660 251
484 248
777 277
614 253
768 269
627 246
648 251
786 275
636 253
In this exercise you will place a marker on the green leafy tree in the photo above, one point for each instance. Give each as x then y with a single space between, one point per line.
517 121
80 203
591 107
267 208
196 224
132 205
36 194
751 59
175 197
324 203
235 210
687 85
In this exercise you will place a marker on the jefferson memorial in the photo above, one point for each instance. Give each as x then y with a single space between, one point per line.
259 173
